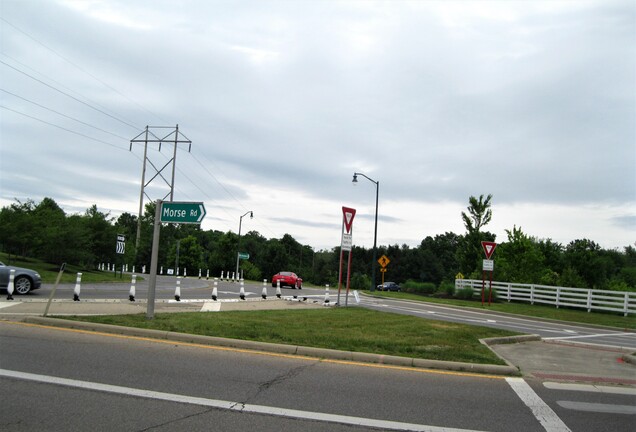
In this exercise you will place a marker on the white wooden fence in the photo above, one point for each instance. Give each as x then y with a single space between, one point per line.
592 300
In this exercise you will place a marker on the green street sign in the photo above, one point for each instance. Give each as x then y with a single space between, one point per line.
244 255
182 212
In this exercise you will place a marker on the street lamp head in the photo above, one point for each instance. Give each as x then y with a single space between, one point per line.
355 179
251 215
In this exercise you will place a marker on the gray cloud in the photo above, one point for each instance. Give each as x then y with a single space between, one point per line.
533 102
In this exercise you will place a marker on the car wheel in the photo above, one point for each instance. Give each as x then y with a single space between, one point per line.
22 285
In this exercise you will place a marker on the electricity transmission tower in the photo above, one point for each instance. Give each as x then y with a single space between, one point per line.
152 134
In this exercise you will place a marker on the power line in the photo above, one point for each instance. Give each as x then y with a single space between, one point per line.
63 115
61 127
80 68
102 111
68 95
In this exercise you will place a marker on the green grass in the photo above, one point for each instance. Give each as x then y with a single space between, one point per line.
49 272
537 310
348 329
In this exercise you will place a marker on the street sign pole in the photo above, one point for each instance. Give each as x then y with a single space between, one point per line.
154 258
488 265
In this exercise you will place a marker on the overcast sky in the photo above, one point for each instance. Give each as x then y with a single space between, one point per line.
533 102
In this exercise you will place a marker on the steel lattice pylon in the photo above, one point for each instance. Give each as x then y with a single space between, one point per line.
151 135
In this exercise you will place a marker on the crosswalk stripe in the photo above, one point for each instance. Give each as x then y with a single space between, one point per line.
546 416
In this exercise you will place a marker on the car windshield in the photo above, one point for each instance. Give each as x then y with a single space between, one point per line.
285 273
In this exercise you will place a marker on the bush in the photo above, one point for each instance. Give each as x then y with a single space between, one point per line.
358 281
494 297
465 293
447 288
420 288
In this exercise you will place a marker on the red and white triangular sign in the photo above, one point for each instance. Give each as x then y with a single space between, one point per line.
347 216
489 248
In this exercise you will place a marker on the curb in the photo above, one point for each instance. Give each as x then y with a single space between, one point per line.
629 358
322 353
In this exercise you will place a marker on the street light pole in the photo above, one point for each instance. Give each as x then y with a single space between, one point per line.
375 234
238 249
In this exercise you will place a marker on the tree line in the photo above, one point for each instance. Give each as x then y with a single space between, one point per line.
44 231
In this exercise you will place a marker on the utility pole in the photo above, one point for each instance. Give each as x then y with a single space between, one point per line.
152 134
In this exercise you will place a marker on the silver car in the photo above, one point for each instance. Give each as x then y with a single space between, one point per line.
24 280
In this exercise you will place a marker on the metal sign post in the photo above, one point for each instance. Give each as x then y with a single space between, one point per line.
488 265
346 244
383 261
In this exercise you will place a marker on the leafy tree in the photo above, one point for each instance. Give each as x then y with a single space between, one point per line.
583 259
17 235
190 255
50 227
479 215
519 259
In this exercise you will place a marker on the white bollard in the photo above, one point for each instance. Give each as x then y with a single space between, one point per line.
327 293
131 293
177 290
143 269
221 275
214 290
10 287
264 293
199 273
76 291
207 275
185 272
242 291
278 293
160 271
133 269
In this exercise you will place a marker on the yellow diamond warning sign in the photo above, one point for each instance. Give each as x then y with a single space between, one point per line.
384 261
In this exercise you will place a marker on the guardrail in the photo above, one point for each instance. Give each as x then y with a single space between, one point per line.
590 299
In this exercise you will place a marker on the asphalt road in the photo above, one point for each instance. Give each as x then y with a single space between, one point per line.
548 330
194 288
54 379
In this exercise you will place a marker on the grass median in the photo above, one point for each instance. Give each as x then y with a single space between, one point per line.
348 329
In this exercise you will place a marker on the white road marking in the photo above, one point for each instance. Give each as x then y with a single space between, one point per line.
7 304
590 388
546 416
211 306
229 405
592 336
598 407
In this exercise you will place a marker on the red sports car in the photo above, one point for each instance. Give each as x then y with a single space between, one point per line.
287 278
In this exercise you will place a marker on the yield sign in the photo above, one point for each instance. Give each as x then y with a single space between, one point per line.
489 248
348 215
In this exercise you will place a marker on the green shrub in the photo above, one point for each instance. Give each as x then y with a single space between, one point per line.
358 281
465 293
447 288
494 297
420 288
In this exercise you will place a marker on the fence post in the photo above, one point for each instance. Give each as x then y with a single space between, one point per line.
558 296
531 294
508 293
626 304
589 301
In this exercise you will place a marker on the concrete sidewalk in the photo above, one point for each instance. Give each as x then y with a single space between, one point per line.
534 358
